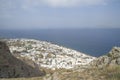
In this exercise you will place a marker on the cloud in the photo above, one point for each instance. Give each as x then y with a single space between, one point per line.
63 3
50 3
71 3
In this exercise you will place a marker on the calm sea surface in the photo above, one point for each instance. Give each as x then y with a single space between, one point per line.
95 42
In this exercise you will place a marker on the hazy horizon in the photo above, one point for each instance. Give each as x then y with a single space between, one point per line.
55 14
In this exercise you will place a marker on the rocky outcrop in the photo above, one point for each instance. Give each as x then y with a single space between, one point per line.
112 58
26 57
47 55
13 67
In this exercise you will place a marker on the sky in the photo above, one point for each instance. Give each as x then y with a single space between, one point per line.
45 14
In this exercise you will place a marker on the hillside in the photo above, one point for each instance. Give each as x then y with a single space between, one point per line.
110 59
48 55
13 67
59 63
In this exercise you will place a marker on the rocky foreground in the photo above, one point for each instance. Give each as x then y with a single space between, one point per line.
10 66
110 59
31 58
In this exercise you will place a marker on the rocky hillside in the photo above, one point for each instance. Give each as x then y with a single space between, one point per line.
62 63
47 55
13 67
106 67
111 72
111 59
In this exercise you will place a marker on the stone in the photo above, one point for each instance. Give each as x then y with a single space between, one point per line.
11 67
112 58
118 61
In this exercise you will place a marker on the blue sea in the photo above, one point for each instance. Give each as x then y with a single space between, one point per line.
94 42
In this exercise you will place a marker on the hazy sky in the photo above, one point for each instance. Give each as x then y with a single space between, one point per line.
34 14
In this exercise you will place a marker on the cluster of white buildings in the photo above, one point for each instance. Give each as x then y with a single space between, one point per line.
48 55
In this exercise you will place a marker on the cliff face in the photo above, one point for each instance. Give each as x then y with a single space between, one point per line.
112 58
12 67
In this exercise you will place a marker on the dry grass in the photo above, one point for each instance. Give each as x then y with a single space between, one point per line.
108 73
34 78
112 73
